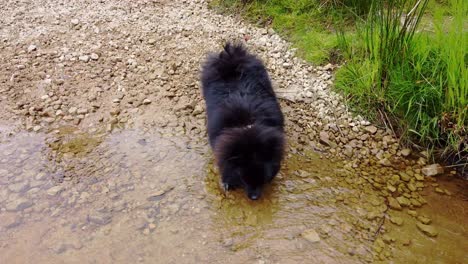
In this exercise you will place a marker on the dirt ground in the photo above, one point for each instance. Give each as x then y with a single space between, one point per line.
104 157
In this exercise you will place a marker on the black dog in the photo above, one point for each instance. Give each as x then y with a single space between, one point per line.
245 122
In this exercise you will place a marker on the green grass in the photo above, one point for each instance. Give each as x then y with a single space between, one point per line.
310 25
414 82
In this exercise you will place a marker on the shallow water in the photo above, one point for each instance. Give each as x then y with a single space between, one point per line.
74 197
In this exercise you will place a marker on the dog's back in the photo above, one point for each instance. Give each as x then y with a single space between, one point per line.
238 91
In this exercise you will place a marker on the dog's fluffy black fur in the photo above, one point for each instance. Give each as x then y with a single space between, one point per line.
245 122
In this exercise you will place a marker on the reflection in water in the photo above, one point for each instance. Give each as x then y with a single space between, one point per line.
79 198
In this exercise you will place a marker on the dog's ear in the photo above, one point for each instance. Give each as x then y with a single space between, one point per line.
225 146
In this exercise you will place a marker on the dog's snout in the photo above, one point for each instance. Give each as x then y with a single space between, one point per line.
254 194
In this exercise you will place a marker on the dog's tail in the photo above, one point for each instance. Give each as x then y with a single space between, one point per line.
231 59
229 64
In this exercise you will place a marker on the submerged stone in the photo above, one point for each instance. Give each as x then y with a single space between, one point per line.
427 229
396 220
311 235
393 203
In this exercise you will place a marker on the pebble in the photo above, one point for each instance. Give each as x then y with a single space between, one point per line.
396 220
147 101
393 203
325 139
82 111
405 177
311 235
432 170
403 201
54 190
371 129
84 58
424 219
405 152
99 218
413 213
18 204
94 56
385 162
32 48
114 111
72 110
198 110
37 128
140 223
75 21
10 220
19 187
427 229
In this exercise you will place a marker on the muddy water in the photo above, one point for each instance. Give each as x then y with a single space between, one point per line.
132 196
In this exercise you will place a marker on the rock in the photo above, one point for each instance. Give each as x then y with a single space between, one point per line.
228 242
10 220
411 187
183 103
405 152
114 111
432 170
146 101
37 128
405 177
32 48
82 111
99 218
198 110
413 213
374 215
75 21
427 229
403 201
18 204
84 58
59 248
72 110
371 129
311 235
19 187
54 190
393 203
385 162
391 188
140 223
419 177
94 56
424 219
396 220
156 196
325 139
348 151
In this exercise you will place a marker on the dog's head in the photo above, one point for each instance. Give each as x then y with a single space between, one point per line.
250 156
